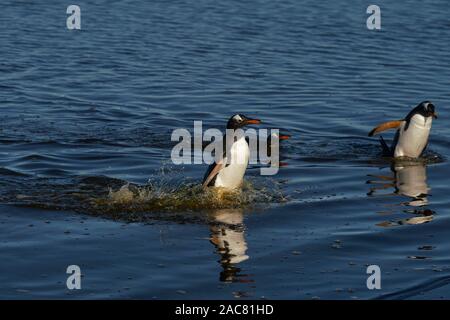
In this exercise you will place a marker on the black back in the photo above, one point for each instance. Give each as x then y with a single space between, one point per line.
425 108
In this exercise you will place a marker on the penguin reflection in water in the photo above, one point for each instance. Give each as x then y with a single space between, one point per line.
412 134
228 236
408 180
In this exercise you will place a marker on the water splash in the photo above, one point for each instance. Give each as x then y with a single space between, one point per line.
161 198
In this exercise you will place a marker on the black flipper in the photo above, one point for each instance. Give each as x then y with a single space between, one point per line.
211 167
215 167
387 152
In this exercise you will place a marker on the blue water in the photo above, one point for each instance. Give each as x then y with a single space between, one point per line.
88 111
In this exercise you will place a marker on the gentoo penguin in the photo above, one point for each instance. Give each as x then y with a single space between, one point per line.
229 173
279 137
412 132
274 135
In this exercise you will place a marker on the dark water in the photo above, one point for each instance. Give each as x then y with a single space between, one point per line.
85 112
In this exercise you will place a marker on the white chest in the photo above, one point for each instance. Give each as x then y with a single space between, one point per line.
232 175
412 142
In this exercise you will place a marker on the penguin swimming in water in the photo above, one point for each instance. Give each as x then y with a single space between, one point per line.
229 173
412 134
279 136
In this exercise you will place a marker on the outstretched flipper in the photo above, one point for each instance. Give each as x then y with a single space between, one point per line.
385 126
214 168
211 174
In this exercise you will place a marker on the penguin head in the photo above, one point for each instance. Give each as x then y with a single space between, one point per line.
239 121
279 136
426 109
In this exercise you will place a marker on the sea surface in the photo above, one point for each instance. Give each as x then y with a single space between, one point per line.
86 176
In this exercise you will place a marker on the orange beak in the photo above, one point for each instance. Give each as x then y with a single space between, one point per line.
252 121
284 136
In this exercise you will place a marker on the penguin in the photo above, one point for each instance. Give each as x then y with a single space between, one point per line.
412 134
229 173
274 135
